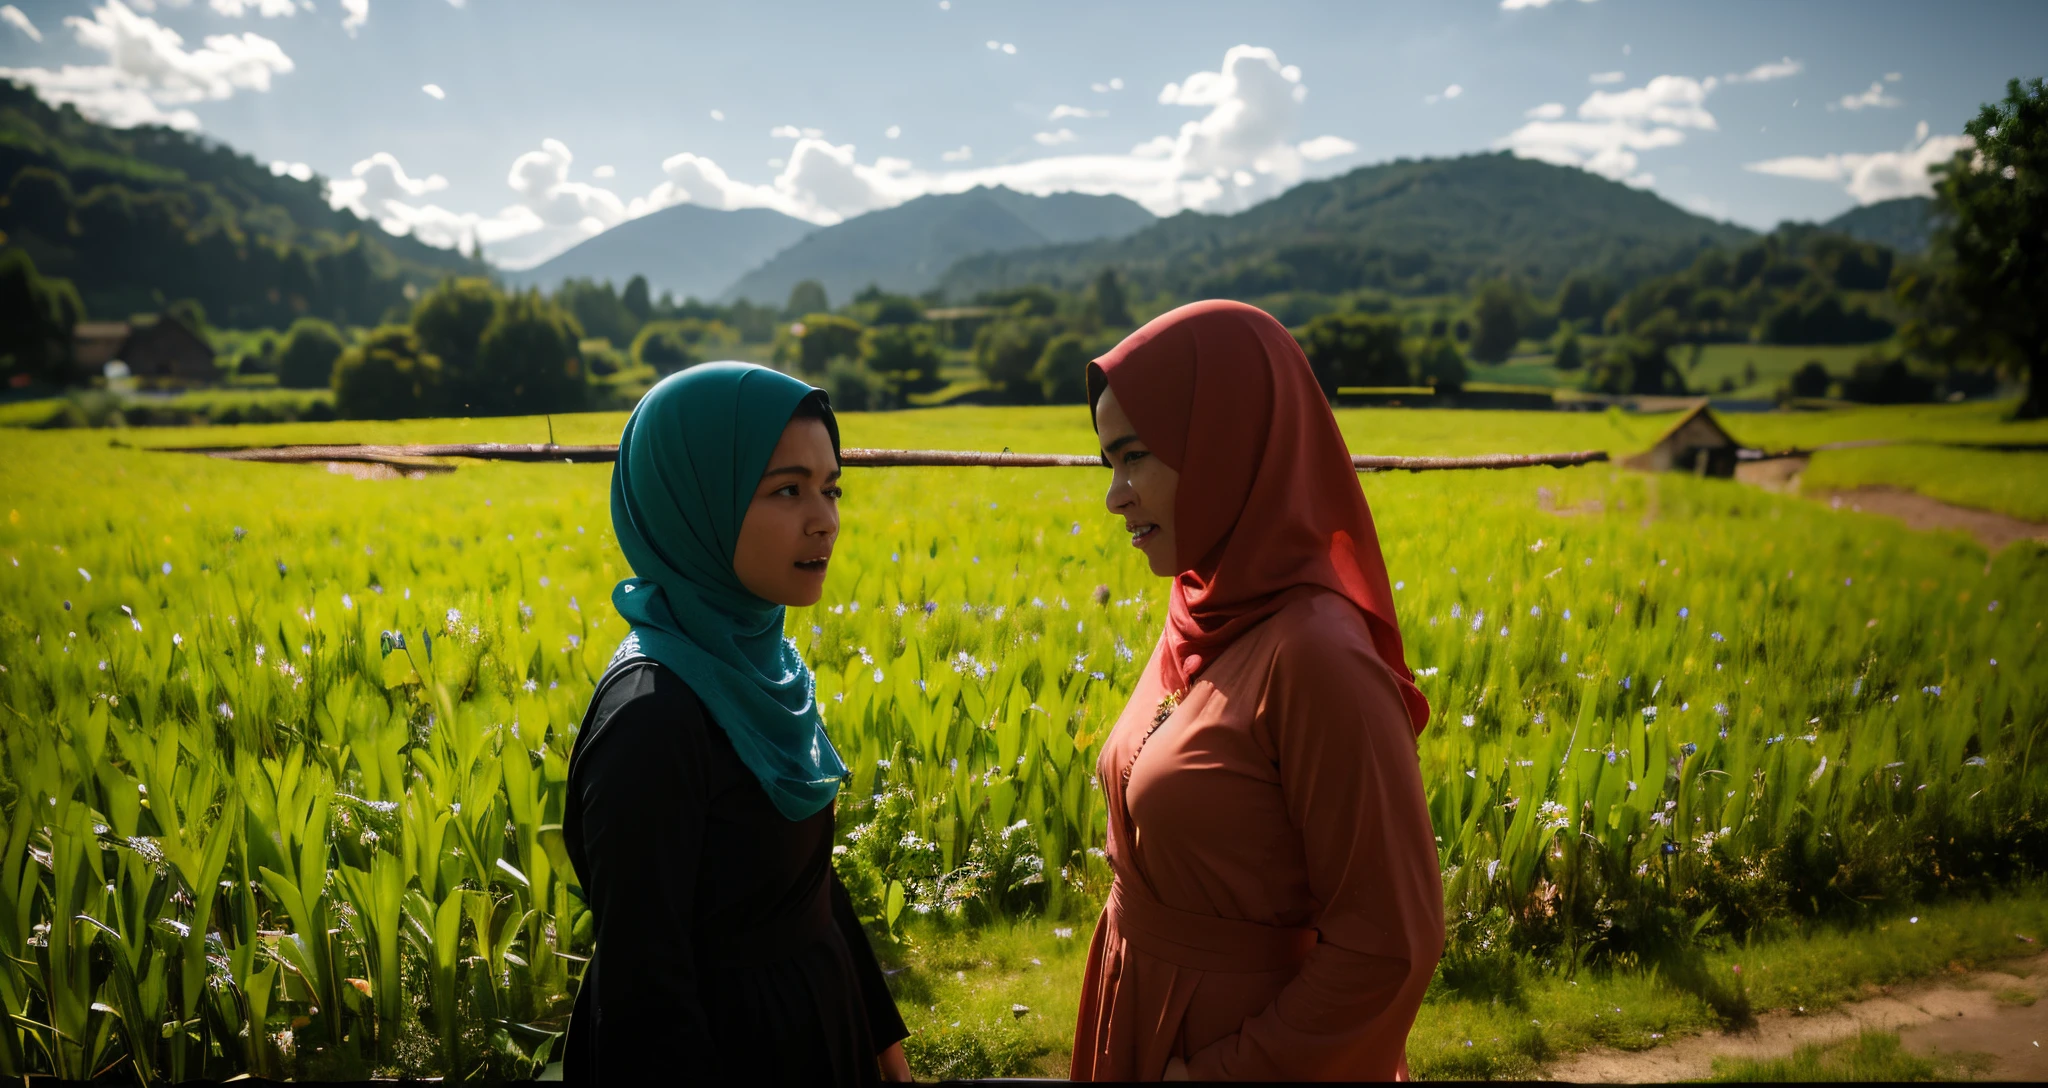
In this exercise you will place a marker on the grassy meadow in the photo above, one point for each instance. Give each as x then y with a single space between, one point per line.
285 751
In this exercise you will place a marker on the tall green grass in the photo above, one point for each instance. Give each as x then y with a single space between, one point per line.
285 752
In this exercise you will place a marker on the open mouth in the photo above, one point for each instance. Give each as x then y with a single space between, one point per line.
1142 534
813 566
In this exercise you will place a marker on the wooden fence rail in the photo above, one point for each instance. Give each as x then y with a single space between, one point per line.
411 455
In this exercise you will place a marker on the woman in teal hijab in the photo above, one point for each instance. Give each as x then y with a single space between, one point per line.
700 810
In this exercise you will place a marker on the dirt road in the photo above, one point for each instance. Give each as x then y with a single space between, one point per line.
1984 1012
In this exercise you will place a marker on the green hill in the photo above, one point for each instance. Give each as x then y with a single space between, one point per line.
1406 227
1904 224
907 248
140 217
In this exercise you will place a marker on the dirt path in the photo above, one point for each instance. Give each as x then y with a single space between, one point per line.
1920 512
1993 530
1979 1013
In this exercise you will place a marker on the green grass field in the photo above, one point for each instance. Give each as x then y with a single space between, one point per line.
1671 715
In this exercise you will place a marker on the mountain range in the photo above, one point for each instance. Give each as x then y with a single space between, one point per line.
908 247
687 250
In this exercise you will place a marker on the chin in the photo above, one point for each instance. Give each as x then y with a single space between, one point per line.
801 596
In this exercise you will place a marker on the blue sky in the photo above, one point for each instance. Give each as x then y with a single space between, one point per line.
531 124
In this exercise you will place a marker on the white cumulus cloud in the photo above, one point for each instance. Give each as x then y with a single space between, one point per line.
13 17
1665 100
148 68
1325 147
1115 84
1517 5
892 132
1767 71
1612 127
1606 77
603 173
269 9
1049 139
1874 176
718 115
354 13
1062 112
1875 96
434 90
1243 147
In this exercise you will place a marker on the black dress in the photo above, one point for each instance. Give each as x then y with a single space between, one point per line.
726 948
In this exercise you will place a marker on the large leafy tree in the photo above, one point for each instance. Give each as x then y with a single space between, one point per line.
37 314
529 360
1355 349
1494 339
1982 298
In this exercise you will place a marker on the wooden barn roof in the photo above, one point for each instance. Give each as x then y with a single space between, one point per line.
1699 410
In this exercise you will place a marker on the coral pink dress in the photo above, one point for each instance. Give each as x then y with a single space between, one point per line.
1277 911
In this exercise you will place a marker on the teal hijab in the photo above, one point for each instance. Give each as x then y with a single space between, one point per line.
689 460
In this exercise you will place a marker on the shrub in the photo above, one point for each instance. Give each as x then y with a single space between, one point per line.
390 375
1811 380
663 346
1442 366
1062 370
310 350
906 357
1007 352
855 388
1570 356
816 339
1886 381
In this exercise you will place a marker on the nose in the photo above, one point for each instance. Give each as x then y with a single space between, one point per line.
1121 493
824 522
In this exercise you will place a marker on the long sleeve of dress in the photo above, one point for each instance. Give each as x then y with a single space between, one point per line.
643 797
885 1024
1340 733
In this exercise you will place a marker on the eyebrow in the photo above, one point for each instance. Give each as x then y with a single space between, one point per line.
803 471
1119 443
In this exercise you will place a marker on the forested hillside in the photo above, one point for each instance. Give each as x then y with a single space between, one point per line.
138 218
1405 227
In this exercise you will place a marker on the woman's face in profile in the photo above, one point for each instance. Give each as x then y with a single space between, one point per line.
786 540
1141 486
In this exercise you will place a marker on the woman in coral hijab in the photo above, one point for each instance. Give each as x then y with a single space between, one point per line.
1276 912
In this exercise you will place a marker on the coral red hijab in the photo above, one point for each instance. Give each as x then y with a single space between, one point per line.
1268 502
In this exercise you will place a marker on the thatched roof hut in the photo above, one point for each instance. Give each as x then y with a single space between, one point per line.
167 349
1697 443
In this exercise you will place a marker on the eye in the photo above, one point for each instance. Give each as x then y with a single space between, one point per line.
1133 456
787 489
834 493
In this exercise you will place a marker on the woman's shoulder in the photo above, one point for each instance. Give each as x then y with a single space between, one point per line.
634 691
1320 623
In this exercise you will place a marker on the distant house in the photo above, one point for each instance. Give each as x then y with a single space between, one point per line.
94 344
166 349
1697 443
